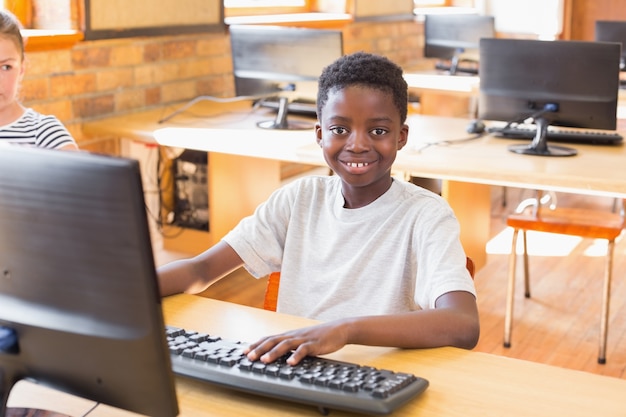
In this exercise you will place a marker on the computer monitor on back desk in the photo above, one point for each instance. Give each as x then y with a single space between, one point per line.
282 61
551 83
80 309
614 31
454 40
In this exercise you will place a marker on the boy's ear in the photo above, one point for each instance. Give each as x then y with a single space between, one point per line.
404 136
318 134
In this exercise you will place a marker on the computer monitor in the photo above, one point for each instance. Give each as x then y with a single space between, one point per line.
270 60
80 309
613 31
454 40
561 83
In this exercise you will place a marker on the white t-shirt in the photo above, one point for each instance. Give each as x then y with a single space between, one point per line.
398 254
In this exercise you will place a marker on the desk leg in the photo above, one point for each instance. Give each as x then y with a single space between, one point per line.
472 205
237 185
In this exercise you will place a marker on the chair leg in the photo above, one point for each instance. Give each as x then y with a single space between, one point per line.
508 315
606 298
526 271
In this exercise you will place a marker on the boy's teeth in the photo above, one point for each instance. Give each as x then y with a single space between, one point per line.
357 164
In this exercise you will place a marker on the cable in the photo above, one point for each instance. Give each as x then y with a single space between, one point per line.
449 142
547 108
91 409
217 100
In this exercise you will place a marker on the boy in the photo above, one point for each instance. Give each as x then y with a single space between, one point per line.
376 259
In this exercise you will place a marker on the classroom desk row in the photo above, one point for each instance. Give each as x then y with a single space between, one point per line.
462 383
244 163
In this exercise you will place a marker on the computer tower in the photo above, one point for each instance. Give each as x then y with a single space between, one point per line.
191 197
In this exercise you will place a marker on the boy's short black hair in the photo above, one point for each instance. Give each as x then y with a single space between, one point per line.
366 69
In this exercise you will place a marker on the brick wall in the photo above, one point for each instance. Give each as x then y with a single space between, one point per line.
401 41
98 79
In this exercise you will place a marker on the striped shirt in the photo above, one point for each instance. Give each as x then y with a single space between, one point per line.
34 129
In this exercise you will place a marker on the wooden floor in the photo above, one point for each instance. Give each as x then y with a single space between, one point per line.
559 325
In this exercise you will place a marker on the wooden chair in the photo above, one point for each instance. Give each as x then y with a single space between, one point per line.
273 282
582 222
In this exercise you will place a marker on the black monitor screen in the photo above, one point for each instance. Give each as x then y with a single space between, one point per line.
274 59
613 31
80 307
449 36
266 58
561 83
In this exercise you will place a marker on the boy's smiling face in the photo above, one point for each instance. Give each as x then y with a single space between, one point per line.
360 132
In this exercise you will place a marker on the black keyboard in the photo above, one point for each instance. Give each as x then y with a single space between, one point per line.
324 383
302 106
594 137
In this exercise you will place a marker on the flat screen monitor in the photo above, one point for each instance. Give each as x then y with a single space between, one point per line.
80 309
613 31
560 83
270 60
454 40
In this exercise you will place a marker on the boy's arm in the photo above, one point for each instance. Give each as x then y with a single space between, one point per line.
454 322
195 274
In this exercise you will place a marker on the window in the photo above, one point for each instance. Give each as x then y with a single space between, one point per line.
40 14
60 33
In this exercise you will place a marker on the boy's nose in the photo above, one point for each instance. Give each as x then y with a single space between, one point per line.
358 141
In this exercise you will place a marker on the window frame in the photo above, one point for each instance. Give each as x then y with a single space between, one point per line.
38 39
267 8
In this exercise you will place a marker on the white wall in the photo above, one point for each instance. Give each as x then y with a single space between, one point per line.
537 17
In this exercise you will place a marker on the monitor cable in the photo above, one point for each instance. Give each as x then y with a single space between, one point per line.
216 100
448 142
547 108
91 410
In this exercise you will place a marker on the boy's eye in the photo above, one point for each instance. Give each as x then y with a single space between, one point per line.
379 131
5 67
338 130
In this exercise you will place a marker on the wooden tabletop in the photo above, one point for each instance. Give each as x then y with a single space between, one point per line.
438 148
462 383
140 126
462 85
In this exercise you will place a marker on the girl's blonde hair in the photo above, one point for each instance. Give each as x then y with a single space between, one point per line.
10 28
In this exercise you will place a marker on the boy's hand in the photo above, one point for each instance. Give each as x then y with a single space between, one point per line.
309 341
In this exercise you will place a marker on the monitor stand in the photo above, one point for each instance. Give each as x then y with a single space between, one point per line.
281 122
456 66
539 145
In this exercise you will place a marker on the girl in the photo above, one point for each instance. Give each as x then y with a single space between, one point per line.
20 125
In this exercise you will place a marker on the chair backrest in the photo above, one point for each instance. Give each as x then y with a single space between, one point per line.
273 282
547 200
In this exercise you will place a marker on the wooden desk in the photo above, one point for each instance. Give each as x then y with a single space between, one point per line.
244 165
462 383
467 168
444 95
